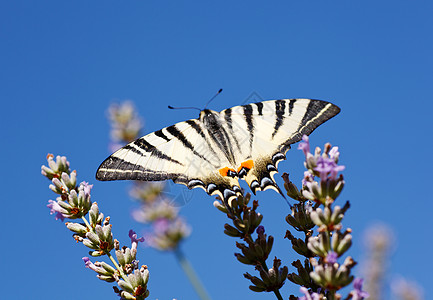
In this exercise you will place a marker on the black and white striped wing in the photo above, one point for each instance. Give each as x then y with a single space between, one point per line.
212 152
264 131
181 152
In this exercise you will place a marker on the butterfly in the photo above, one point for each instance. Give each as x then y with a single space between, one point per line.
216 150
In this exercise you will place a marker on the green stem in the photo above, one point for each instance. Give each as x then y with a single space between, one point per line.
277 293
331 295
87 223
117 267
190 273
108 254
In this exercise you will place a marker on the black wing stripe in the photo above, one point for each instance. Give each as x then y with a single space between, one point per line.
228 119
259 108
314 109
291 104
317 113
222 139
114 168
153 152
146 146
161 134
174 131
248 114
280 107
197 128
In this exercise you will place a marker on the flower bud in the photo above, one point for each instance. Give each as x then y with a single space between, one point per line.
344 244
231 231
291 188
95 237
57 186
220 206
107 278
68 181
109 269
127 296
126 286
331 276
77 228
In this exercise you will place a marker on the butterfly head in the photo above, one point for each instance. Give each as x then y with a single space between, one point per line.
209 117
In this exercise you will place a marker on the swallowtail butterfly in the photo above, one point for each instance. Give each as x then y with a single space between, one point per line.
215 150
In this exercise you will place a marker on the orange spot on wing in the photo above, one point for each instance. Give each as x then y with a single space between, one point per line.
249 164
224 171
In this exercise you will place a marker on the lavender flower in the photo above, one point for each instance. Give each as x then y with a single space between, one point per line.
133 236
169 230
260 230
89 264
56 209
150 212
86 188
161 225
334 154
55 168
125 122
324 165
358 293
406 290
305 145
167 234
327 167
332 257
322 186
307 180
379 240
307 295
95 233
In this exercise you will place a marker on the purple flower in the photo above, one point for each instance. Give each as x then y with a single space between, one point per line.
335 171
334 154
332 257
167 233
134 241
358 293
161 225
86 188
89 264
260 230
55 209
308 179
313 296
326 166
305 145
133 236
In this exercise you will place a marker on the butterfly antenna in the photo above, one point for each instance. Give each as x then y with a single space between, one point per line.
220 90
171 107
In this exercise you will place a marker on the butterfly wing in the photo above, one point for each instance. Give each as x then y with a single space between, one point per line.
265 130
254 136
181 152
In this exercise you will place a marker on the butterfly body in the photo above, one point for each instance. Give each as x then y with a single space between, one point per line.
216 150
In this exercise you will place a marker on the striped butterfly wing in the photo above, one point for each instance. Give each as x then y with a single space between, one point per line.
212 152
265 130
182 152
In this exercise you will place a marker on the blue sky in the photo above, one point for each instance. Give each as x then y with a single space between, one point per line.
63 62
